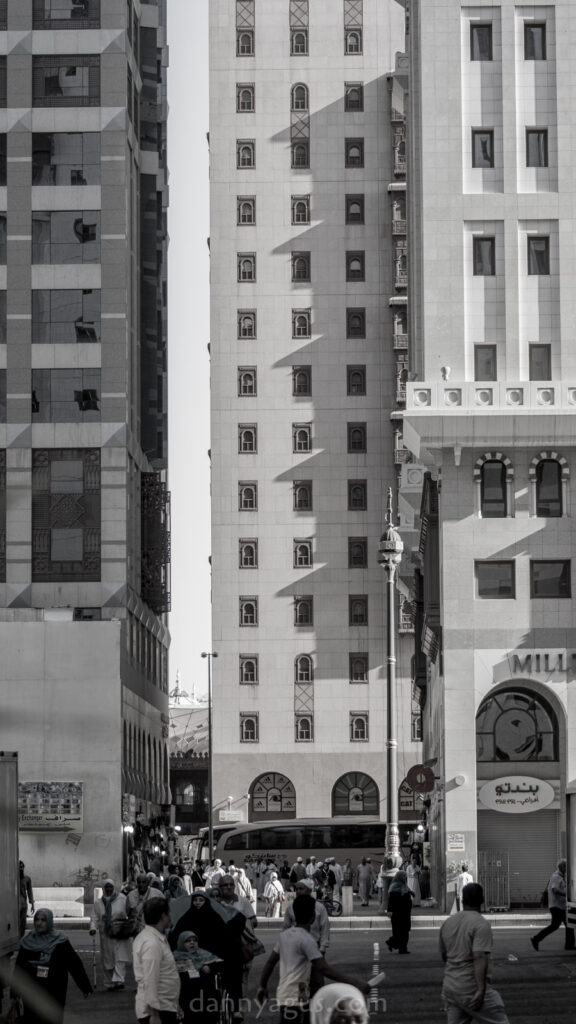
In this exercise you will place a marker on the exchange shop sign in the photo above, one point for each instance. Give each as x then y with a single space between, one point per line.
50 806
516 794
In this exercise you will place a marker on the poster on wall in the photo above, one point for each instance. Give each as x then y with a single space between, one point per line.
50 806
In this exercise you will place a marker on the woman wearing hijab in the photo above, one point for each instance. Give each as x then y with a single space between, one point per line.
116 953
338 1004
219 929
399 908
274 895
45 959
197 989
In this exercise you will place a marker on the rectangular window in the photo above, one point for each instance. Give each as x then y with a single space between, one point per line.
483 256
358 610
248 611
247 496
301 323
304 728
299 42
300 209
249 732
66 81
65 317
2 420
300 154
356 322
3 82
357 499
66 396
245 43
354 152
356 437
355 380
302 553
481 42
495 580
2 317
301 437
355 266
248 553
534 40
302 495
358 668
536 147
301 380
66 513
482 147
246 263
550 579
538 256
3 160
63 14
246 321
246 209
245 103
247 381
357 552
248 668
354 209
358 727
66 158
245 154
66 236
353 96
247 438
485 362
300 266
540 358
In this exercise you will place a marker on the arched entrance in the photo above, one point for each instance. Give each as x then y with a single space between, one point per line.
355 793
272 795
518 774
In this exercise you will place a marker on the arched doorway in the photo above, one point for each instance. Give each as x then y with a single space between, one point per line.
355 793
272 795
518 775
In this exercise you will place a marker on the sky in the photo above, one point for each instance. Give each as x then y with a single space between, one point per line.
188 337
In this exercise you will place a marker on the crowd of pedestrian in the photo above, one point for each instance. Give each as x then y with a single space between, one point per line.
190 936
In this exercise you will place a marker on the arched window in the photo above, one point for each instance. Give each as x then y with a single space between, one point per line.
302 496
247 497
299 43
272 795
356 382
249 728
301 267
247 439
516 725
247 268
355 793
301 381
246 211
303 669
299 97
493 498
301 324
248 669
358 613
245 44
246 154
353 42
300 211
358 668
302 554
304 728
301 439
358 727
548 488
248 611
247 382
248 554
300 154
247 325
246 98
303 611
185 792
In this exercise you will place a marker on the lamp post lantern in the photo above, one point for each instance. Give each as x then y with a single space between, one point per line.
210 655
390 551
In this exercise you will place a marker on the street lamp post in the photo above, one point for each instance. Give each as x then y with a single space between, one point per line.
390 551
210 655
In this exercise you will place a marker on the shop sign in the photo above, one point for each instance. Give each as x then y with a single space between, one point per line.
516 794
50 806
456 842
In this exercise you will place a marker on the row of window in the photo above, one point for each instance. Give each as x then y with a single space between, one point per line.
539 362
356 438
481 41
60 316
302 553
300 207
546 477
299 97
247 377
483 147
304 610
548 579
249 668
300 153
302 325
299 42
66 14
302 492
301 263
304 727
484 255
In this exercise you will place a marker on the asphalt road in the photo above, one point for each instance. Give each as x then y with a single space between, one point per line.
537 988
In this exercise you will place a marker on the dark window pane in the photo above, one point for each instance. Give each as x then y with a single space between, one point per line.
539 256
540 362
550 579
495 579
66 158
534 41
493 489
485 362
536 147
482 148
481 42
548 488
484 257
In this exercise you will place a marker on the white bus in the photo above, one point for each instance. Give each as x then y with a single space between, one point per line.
289 839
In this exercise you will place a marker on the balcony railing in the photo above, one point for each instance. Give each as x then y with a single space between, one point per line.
398 227
401 341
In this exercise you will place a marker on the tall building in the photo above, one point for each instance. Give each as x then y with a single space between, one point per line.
83 507
490 414
308 340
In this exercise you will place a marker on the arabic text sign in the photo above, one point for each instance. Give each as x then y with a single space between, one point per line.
516 794
50 806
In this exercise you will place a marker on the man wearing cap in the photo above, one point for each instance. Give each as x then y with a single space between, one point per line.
319 929
297 871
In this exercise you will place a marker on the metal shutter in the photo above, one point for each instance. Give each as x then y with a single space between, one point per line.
533 845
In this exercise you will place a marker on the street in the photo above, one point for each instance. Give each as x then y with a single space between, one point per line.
537 988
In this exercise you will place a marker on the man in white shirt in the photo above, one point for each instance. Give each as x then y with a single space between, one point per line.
155 968
297 952
137 897
465 947
464 878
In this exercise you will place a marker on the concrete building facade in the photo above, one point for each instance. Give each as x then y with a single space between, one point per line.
84 583
308 284
490 415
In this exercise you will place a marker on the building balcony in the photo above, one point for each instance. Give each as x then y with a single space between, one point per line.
446 414
401 278
398 227
401 341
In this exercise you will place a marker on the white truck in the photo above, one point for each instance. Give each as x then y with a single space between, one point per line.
9 875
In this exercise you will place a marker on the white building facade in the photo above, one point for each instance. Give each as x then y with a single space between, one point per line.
308 287
490 414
